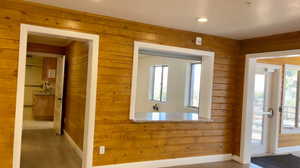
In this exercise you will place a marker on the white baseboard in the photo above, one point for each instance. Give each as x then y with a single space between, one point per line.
237 159
172 162
76 148
288 149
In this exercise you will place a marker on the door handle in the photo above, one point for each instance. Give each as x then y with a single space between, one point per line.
59 99
268 113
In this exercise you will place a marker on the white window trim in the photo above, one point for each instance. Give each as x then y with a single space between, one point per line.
283 129
189 83
207 70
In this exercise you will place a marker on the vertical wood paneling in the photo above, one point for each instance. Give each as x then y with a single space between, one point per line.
126 141
75 91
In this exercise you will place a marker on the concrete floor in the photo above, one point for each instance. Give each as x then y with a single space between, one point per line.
44 149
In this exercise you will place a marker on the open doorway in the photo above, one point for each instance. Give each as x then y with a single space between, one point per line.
267 83
55 98
50 109
271 106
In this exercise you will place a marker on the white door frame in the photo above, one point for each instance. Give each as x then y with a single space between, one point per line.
246 127
93 40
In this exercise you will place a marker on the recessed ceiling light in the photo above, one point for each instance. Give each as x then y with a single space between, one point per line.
202 19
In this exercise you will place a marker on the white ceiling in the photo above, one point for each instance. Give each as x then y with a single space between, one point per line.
237 19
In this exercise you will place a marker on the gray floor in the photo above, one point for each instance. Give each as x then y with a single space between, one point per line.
44 149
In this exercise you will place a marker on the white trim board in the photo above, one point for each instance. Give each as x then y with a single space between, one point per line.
74 146
91 90
288 149
172 162
237 159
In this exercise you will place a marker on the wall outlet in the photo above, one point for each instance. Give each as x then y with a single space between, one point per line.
102 150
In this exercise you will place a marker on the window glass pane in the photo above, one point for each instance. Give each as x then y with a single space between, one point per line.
164 84
259 101
157 82
195 85
290 97
157 116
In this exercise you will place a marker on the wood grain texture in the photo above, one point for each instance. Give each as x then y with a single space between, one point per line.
126 141
75 91
286 41
48 64
281 61
44 48
286 140
43 107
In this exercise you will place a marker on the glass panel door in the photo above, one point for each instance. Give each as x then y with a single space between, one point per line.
290 98
265 109
258 108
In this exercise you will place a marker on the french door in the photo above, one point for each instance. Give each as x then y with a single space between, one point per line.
266 91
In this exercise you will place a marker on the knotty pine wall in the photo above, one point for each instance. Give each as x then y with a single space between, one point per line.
281 61
75 90
126 141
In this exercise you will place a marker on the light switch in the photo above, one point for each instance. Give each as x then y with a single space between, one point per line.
198 41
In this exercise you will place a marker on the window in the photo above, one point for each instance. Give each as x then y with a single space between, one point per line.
194 85
170 76
159 83
290 112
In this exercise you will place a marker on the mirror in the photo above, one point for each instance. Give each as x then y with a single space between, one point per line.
170 83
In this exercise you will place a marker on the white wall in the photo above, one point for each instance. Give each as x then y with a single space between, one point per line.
176 93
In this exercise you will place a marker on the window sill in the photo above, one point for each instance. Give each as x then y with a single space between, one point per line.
173 121
290 131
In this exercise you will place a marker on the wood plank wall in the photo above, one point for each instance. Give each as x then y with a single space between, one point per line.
281 61
75 91
36 47
125 141
286 41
